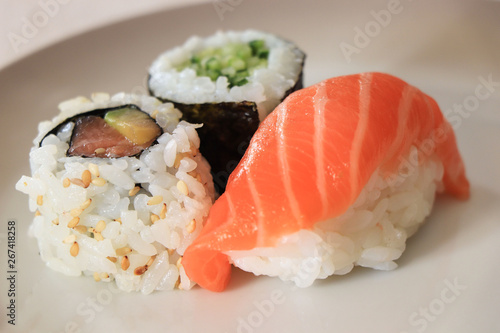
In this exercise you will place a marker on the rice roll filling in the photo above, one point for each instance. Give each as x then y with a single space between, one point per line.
125 131
236 61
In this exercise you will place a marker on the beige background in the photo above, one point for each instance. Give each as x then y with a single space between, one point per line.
30 25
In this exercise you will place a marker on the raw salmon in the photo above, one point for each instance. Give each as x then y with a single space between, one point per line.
310 159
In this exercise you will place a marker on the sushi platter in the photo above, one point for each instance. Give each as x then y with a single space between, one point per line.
242 175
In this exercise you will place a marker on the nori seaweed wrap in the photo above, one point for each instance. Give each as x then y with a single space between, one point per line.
229 82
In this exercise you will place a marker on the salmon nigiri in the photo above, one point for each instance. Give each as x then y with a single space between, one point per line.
339 174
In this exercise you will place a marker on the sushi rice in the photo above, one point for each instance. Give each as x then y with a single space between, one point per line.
371 233
107 226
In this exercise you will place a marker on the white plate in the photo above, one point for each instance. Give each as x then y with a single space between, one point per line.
448 278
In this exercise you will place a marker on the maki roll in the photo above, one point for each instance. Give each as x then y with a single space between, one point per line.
229 82
119 190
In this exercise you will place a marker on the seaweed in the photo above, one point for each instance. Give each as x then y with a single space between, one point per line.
225 135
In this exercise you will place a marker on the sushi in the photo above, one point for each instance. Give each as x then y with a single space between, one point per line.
339 175
119 190
229 81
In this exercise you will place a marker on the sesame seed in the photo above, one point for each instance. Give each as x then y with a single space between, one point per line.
73 222
191 226
140 270
178 284
104 275
179 263
198 178
37 213
177 161
55 221
90 229
170 251
112 259
182 187
163 212
86 178
98 236
69 239
123 251
100 226
66 182
99 181
150 261
155 200
118 220
80 228
77 181
39 200
99 151
94 169
75 212
154 114
125 263
97 278
74 249
86 204
134 191
154 218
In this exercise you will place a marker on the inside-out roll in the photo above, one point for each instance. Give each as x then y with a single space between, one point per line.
230 82
119 190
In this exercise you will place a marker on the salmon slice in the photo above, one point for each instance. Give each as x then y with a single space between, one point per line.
310 159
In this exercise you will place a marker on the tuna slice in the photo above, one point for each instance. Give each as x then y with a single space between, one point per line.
94 137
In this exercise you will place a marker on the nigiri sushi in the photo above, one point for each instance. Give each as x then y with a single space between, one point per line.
340 174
